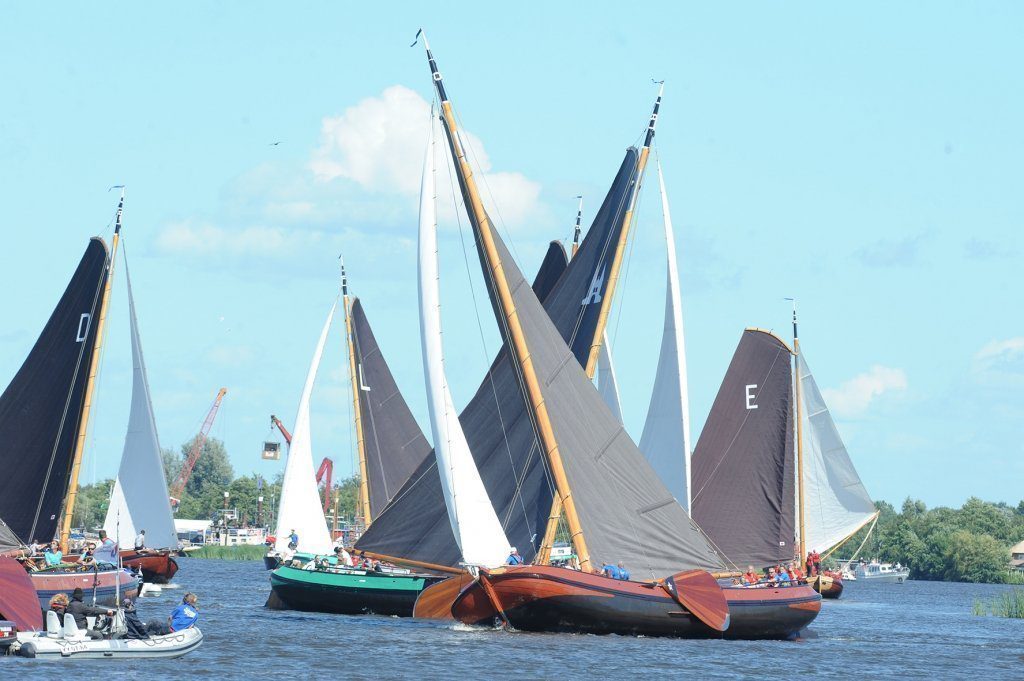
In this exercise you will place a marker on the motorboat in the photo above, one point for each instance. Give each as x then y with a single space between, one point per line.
881 572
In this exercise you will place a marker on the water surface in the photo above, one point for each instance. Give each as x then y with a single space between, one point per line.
912 630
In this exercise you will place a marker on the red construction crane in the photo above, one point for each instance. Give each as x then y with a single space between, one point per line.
326 466
178 486
274 421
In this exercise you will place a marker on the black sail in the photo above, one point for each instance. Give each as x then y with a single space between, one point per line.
551 269
394 444
743 473
496 422
41 409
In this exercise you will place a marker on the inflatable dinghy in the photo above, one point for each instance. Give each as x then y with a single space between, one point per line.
68 641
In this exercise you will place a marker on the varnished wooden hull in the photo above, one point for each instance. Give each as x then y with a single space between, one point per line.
106 583
158 567
542 598
829 585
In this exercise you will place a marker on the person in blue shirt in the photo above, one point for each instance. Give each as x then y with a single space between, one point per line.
514 558
623 572
781 578
610 570
53 555
185 615
293 539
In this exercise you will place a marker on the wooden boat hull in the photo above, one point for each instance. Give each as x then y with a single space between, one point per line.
48 583
828 584
157 567
543 598
353 592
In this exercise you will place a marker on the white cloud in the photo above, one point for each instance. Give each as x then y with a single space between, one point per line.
1000 362
198 238
1002 350
854 397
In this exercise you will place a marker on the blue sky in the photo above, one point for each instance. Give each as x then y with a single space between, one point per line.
866 160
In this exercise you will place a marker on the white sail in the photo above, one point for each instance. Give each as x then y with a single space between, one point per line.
836 502
475 525
300 510
666 437
140 500
607 384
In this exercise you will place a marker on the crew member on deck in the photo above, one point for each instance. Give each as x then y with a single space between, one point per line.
750 576
185 615
107 550
615 571
140 540
53 555
88 555
293 539
514 558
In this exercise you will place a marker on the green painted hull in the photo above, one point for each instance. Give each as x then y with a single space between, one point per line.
352 592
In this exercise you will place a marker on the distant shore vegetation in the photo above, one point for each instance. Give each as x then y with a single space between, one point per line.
968 544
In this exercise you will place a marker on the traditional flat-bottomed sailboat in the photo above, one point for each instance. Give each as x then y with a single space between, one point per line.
614 504
772 478
44 417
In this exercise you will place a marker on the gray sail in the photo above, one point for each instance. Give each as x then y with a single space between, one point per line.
140 500
392 440
743 474
496 422
625 511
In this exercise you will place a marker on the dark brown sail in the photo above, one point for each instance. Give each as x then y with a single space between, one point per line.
743 474
394 444
41 409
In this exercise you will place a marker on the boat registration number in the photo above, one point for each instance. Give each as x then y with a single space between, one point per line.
72 648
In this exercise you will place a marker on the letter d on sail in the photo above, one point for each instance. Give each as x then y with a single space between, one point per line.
594 293
751 396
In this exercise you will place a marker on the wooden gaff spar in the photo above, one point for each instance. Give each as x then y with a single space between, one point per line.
561 400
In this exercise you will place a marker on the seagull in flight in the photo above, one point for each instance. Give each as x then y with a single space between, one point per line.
273 144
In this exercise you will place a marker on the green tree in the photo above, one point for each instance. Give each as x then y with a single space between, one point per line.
172 464
212 469
980 517
91 504
976 558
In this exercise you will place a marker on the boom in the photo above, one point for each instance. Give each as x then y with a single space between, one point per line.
274 421
178 487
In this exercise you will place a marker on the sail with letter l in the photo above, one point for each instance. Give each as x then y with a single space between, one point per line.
836 502
139 500
666 436
41 409
300 508
474 524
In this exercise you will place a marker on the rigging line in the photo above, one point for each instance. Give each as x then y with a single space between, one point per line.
735 436
67 401
469 152
453 183
633 237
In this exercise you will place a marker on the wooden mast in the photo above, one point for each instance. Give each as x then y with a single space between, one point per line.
364 487
503 295
606 302
799 441
94 363
620 248
576 232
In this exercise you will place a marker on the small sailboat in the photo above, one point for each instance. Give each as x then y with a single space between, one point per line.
44 417
139 500
390 446
612 501
772 477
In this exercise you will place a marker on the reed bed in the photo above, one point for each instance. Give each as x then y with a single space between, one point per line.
242 552
1007 604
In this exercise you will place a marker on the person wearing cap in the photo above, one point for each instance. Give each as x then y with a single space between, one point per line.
514 558
185 615
80 611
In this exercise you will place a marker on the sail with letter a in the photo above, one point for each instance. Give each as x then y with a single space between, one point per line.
140 500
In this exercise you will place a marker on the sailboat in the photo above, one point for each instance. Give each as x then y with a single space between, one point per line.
139 500
772 477
613 502
44 418
390 446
